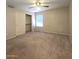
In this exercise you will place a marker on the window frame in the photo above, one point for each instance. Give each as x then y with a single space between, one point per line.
36 21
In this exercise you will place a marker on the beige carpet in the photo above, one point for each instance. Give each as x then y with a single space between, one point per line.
36 45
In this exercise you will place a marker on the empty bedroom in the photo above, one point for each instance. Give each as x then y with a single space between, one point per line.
38 29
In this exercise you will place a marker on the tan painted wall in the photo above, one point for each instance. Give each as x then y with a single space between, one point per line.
10 23
70 18
56 21
20 23
15 22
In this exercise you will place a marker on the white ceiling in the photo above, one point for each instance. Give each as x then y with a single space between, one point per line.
23 4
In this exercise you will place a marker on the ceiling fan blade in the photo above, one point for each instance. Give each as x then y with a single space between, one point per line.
10 6
44 6
54 2
31 7
29 3
39 6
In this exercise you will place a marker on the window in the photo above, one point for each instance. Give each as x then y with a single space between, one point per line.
39 20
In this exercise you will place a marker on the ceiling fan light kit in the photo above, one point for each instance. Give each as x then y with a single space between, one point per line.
39 4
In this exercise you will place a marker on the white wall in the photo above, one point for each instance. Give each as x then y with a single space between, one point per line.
56 21
10 23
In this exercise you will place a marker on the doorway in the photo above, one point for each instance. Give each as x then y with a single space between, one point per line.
28 23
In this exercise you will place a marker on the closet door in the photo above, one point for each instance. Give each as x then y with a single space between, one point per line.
28 23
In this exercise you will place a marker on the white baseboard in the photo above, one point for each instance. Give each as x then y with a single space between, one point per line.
10 37
59 33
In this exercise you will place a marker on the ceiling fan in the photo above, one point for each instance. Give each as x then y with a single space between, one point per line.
45 4
39 4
